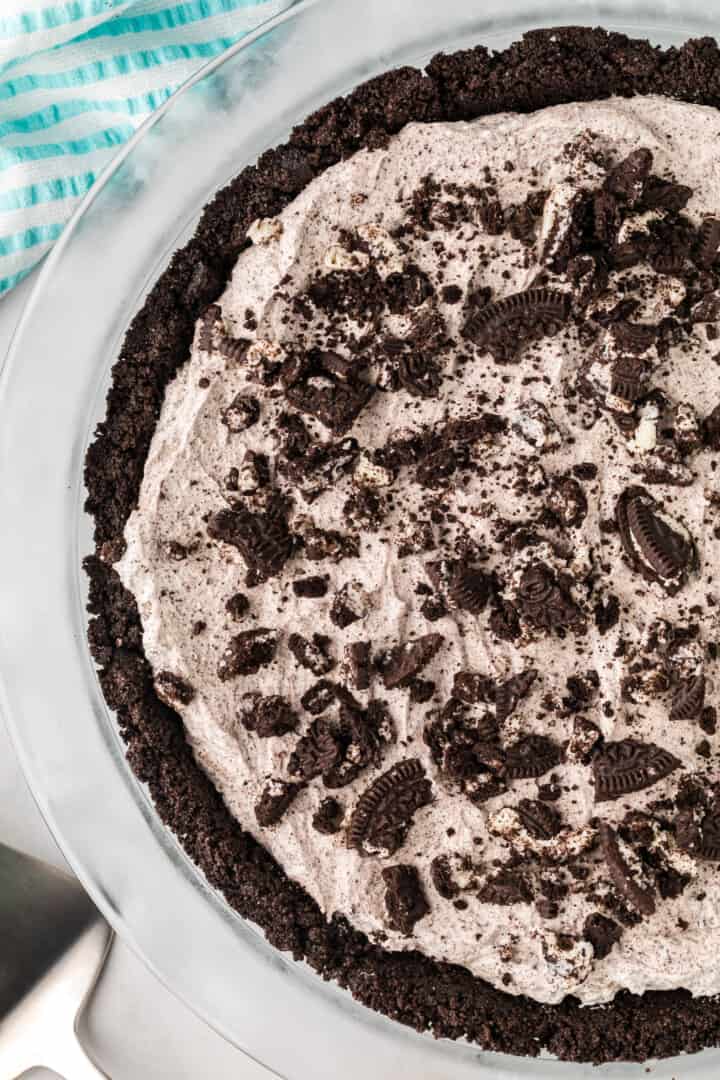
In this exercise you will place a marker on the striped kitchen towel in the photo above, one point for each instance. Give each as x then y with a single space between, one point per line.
77 77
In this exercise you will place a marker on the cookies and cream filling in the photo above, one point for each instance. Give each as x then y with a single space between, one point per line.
424 552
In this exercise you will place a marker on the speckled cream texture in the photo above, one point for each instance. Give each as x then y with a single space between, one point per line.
193 450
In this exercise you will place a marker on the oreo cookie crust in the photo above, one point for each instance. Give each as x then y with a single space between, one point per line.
546 68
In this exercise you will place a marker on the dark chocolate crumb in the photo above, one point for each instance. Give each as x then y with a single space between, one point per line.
404 898
312 653
267 716
311 587
172 689
328 817
276 798
602 933
451 294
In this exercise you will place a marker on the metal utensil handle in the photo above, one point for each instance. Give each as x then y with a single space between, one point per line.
43 1029
56 1047
67 1058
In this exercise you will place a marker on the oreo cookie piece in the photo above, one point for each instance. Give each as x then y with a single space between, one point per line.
359 664
689 699
173 690
253 475
629 252
467 750
438 467
606 223
504 327
671 254
473 688
349 605
589 279
318 752
697 831
505 887
564 215
626 871
711 429
408 288
267 716
505 621
628 179
707 309
292 437
313 387
312 653
319 544
662 194
419 374
237 605
339 747
662 551
442 877
602 933
540 819
235 349
421 690
492 217
242 413
607 613
247 652
629 375
384 812
311 588
319 697
623 767
708 247
582 690
210 324
584 740
469 589
568 501
545 602
522 219
320 467
531 756
509 694
262 538
633 339
328 817
405 899
402 663
277 796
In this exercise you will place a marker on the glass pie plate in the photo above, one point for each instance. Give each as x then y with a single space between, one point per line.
53 391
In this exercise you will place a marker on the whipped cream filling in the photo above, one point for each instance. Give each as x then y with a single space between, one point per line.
182 579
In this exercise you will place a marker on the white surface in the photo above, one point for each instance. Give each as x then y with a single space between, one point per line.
136 1029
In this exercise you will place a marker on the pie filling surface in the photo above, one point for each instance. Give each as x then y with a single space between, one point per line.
425 547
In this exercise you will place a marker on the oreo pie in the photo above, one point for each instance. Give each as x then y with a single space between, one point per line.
407 527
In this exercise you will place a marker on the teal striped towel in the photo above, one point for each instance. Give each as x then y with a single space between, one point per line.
77 77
